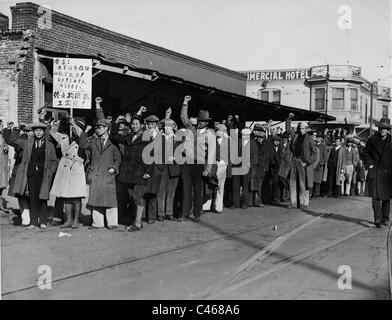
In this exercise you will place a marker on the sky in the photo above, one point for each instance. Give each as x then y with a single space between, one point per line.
250 34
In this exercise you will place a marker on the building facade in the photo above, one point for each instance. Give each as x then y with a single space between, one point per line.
339 91
38 34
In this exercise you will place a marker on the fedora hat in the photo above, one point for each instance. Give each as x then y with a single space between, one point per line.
204 115
152 118
384 123
103 123
258 127
38 125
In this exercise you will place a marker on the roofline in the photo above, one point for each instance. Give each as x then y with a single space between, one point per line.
273 70
140 42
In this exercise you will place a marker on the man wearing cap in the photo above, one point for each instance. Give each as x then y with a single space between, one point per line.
304 155
154 182
259 172
105 164
170 173
352 159
378 159
285 166
36 172
242 167
320 167
199 148
275 163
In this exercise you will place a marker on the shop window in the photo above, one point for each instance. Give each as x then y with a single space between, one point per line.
319 99
276 96
354 99
264 96
385 112
338 98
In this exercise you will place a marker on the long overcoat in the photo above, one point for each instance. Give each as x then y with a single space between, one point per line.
133 167
50 167
321 166
102 183
379 177
70 179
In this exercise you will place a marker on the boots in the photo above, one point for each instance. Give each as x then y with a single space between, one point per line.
68 216
2 207
78 209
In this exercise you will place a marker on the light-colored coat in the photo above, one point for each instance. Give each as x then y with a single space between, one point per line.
70 180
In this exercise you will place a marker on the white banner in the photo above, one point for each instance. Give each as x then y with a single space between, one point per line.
72 80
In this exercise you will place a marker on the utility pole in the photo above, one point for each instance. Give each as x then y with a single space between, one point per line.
326 94
372 85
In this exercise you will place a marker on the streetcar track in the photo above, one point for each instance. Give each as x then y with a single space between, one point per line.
157 254
262 254
279 266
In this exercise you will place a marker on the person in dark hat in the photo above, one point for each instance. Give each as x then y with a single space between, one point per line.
378 160
199 149
105 164
36 172
285 166
319 170
154 182
275 163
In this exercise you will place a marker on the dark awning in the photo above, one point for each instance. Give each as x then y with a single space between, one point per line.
158 91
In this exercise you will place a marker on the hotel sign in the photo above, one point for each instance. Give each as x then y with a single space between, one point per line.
284 75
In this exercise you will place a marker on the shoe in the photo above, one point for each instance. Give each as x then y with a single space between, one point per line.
112 227
197 220
160 219
31 227
43 226
218 212
244 206
95 228
181 219
290 206
134 228
378 224
171 218
385 223
234 207
151 221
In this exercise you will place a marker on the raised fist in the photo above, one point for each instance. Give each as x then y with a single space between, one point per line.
143 109
187 99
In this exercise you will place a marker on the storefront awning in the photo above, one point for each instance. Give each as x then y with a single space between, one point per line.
157 91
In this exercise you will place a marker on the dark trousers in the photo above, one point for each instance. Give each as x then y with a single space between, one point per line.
332 187
38 207
228 194
166 193
192 181
381 210
239 181
275 187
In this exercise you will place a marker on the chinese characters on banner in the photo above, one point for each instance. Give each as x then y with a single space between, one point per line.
72 83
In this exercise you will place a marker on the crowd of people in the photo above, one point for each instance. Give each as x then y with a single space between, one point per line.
147 169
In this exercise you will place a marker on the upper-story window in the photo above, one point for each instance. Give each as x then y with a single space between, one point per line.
385 113
264 96
276 96
319 99
338 98
354 99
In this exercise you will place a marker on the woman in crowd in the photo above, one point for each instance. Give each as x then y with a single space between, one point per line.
70 182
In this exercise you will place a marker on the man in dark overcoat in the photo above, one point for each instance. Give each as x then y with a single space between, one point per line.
378 159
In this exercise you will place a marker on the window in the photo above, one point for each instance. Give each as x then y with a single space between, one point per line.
264 96
276 96
319 99
385 112
338 98
361 107
366 111
354 99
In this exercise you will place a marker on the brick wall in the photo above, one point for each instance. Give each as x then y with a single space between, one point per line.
69 35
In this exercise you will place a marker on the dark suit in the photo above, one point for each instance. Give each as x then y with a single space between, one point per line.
378 154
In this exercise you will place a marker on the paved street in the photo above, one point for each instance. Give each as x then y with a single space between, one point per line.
173 260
